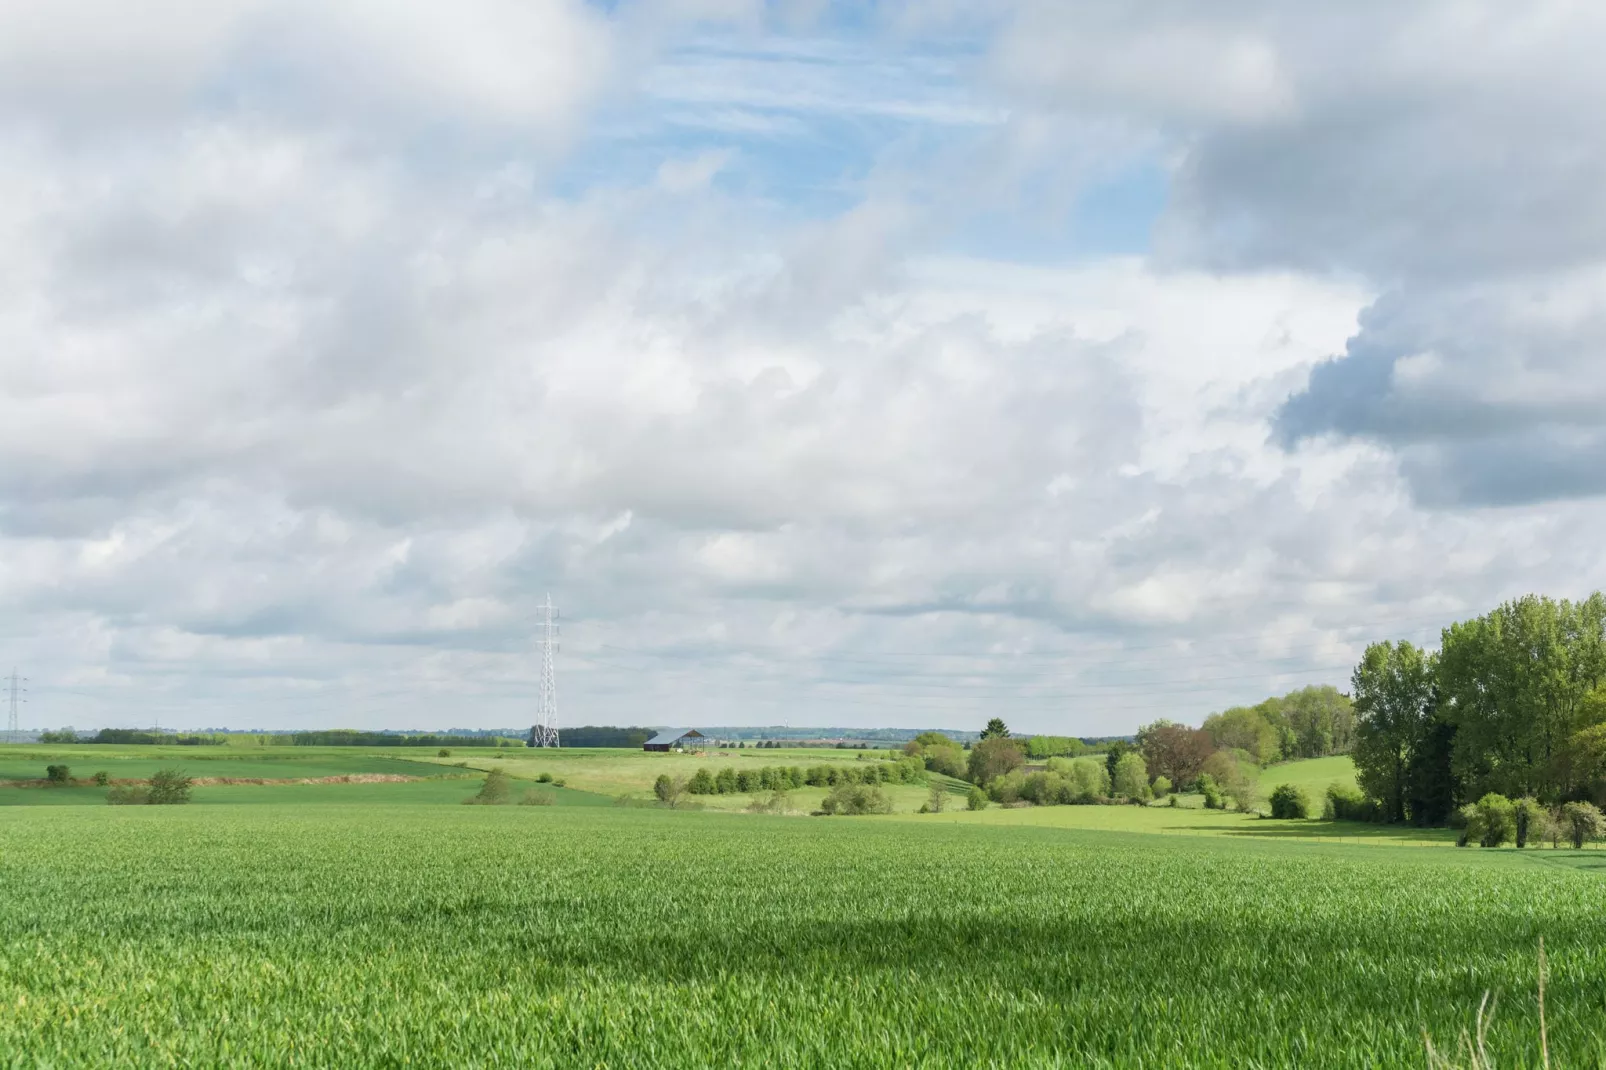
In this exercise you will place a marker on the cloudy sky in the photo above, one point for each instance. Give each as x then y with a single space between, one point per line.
830 364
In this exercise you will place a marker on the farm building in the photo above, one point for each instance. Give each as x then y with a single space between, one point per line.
675 739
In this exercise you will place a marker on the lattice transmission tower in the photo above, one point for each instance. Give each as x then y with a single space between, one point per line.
14 699
545 732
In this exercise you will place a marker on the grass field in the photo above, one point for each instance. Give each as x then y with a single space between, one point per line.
389 935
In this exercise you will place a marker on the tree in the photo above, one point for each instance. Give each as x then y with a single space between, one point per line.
57 774
1518 684
1321 721
1131 777
669 789
1582 823
1431 788
170 787
993 757
1393 688
995 729
936 798
1113 755
1245 728
1174 751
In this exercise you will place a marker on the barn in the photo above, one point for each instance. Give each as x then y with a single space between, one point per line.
675 739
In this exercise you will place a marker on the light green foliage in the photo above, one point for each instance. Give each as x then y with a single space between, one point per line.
1493 821
856 799
538 797
1131 776
416 936
1161 787
976 799
495 791
1040 747
1582 822
1393 688
1320 721
1245 728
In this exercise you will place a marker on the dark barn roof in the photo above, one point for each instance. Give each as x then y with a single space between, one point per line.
671 735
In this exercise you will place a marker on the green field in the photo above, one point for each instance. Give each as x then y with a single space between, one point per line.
397 934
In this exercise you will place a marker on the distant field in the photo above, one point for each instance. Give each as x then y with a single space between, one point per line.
25 762
606 773
328 935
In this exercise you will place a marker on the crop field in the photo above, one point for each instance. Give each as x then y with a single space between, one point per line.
388 935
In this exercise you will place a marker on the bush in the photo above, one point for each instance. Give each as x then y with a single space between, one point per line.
129 795
537 797
747 781
935 799
701 783
1346 803
779 802
57 774
725 782
1161 787
168 787
1289 803
1582 822
443 753
856 799
102 778
494 792
668 790
977 799
1498 819
559 782
1532 821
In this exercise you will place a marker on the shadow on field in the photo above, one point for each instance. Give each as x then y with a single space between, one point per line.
1334 831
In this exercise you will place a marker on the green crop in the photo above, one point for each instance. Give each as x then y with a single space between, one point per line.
560 936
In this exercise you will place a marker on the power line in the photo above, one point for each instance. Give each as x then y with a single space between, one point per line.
15 691
545 732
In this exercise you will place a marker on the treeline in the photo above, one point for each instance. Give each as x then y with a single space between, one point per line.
605 736
786 778
1313 722
1512 704
127 736
350 737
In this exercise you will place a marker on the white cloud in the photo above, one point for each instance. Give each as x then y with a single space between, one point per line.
306 408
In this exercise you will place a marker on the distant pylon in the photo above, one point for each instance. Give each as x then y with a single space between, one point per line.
14 693
545 732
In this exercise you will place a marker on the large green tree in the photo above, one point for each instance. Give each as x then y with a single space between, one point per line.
1393 695
1321 721
1517 683
1248 728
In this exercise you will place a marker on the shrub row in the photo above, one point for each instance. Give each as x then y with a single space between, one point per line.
784 778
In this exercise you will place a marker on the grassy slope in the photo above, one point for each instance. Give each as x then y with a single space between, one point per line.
338 936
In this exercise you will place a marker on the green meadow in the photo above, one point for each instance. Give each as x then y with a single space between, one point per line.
385 924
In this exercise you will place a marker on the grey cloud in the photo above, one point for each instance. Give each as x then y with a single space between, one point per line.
1444 152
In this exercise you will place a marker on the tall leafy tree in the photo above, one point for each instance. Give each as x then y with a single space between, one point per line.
1393 689
1517 684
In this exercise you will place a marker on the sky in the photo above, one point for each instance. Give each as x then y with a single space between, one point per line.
861 364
